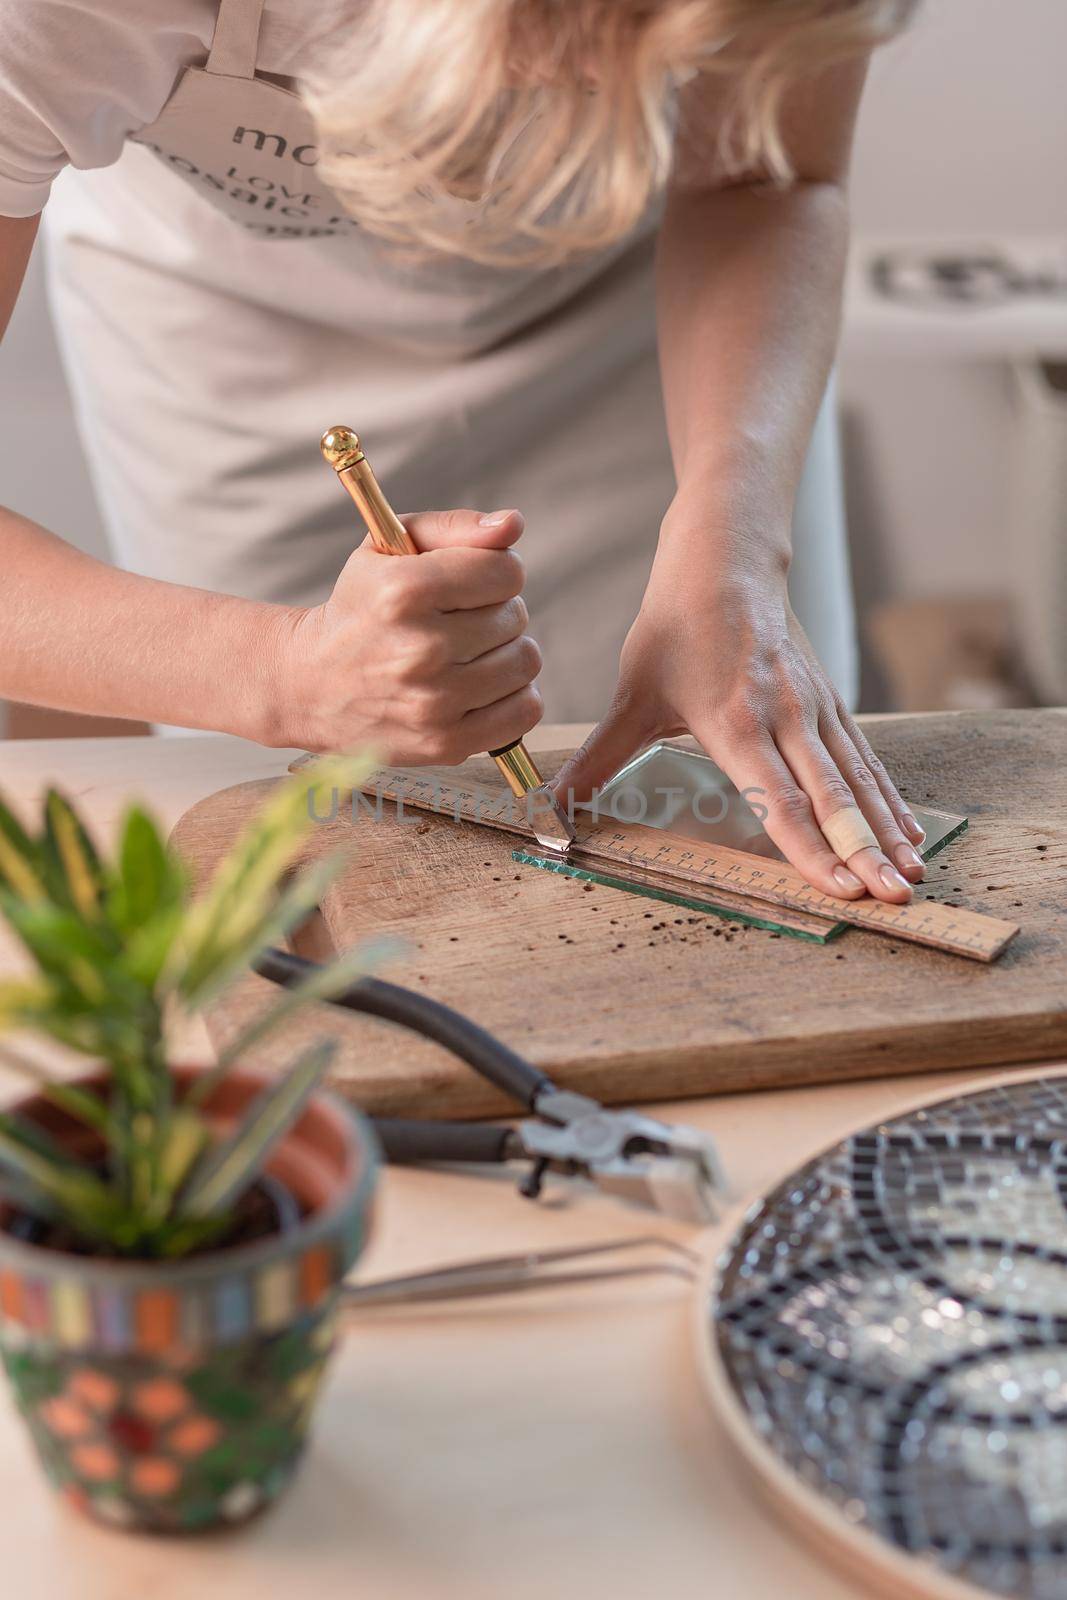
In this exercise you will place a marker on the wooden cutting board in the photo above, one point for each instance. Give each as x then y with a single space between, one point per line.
631 1000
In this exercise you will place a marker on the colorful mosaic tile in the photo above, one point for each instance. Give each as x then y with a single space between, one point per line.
891 1323
171 1396
143 1442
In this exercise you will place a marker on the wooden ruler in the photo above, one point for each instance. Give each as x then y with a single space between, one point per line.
653 857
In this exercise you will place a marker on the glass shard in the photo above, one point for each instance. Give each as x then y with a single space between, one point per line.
687 794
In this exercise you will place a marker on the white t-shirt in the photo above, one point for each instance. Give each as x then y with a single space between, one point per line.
77 77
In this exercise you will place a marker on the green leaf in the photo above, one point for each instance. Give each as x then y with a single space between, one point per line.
22 1002
150 880
178 1238
73 869
246 883
80 1103
320 983
60 1185
83 1197
15 834
30 1133
19 873
125 1043
279 913
60 942
17 1192
186 1137
148 948
235 1165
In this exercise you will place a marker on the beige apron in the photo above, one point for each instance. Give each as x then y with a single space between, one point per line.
206 358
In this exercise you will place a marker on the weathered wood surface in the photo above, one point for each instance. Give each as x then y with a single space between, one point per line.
712 875
631 1000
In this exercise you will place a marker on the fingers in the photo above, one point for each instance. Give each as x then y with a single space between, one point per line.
431 656
757 769
872 797
897 806
830 785
466 563
479 530
470 634
495 675
610 745
460 579
493 727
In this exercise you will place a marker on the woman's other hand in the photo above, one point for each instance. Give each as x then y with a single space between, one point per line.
728 662
427 659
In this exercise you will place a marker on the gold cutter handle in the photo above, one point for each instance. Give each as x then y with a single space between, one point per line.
342 449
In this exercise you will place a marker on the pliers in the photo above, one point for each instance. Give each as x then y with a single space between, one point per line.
661 1165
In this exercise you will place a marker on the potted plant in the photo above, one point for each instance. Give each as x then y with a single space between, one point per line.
172 1240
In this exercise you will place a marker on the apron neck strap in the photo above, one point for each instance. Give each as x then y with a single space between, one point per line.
236 42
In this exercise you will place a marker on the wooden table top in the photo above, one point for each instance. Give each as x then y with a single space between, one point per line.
548 1443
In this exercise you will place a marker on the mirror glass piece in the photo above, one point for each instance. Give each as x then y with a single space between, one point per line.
685 793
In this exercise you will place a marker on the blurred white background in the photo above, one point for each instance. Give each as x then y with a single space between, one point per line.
963 137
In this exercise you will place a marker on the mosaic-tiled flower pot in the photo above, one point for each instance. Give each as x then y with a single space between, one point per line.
174 1397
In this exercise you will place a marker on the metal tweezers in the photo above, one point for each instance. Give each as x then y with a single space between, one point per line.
520 1273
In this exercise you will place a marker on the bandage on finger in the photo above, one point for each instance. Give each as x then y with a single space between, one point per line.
847 831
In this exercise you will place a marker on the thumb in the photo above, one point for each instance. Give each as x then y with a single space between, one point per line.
442 530
610 745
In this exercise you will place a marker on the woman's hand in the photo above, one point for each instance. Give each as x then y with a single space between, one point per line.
427 659
731 664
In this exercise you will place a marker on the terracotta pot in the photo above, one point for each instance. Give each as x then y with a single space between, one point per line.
175 1396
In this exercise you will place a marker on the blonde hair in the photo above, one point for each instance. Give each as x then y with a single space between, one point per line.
527 131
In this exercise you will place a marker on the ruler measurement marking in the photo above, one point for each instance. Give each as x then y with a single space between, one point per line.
922 921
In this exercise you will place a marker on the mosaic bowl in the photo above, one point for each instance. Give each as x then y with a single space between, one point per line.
170 1397
886 1342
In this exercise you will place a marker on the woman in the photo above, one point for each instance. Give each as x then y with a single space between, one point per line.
447 237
